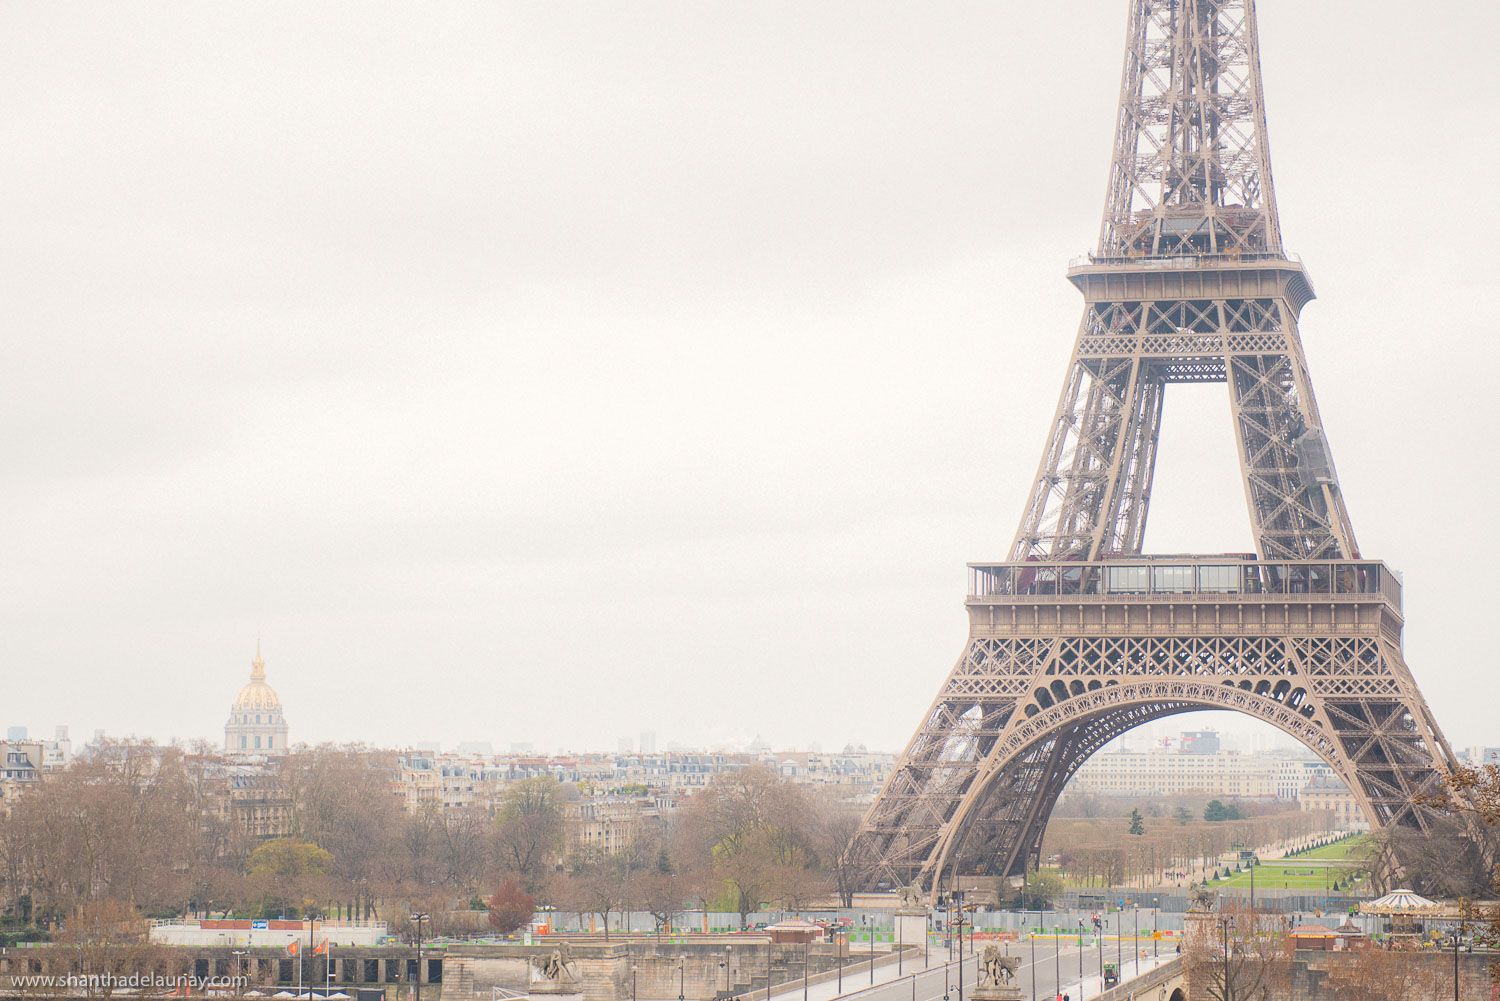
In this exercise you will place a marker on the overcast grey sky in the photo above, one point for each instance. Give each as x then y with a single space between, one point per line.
552 371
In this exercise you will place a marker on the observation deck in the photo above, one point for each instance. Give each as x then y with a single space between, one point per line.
1220 594
1221 577
1193 276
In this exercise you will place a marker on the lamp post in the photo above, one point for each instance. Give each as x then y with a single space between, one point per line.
1119 943
1080 962
682 979
806 948
839 945
634 971
1224 924
1462 906
724 965
1032 936
1135 941
1057 958
869 922
1155 931
957 897
1099 939
239 963
417 919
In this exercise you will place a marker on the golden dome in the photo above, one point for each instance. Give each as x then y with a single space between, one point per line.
257 696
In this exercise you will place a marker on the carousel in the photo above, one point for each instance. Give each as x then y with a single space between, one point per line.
1404 912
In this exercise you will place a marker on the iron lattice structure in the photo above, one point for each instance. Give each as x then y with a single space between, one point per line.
1079 637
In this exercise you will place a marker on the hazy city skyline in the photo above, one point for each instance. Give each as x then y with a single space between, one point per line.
532 373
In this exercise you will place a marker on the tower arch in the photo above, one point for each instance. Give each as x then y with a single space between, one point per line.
983 827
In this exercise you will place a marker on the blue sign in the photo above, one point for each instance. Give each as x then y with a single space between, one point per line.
260 925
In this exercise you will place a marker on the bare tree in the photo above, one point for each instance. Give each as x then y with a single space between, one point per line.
844 860
106 943
1242 956
528 832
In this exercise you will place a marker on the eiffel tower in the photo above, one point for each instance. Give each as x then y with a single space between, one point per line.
1080 637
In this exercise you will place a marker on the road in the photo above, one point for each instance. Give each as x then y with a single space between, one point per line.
1039 976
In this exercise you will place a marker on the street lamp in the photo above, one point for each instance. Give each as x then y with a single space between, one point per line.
1457 937
1224 925
1057 955
634 971
1253 866
958 899
839 946
239 963
1033 936
1119 943
1135 941
866 917
682 979
417 919
1099 940
1155 939
724 965
900 947
1080 962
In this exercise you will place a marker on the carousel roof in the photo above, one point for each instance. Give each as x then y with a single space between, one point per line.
1399 902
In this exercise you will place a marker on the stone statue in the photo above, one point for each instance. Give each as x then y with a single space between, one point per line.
997 969
911 896
557 964
1203 899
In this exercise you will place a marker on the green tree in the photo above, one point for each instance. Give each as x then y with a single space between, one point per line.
1216 812
1043 889
1137 825
1183 816
289 858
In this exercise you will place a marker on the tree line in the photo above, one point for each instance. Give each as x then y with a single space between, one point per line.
154 828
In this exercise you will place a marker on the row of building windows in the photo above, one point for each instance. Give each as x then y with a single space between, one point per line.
244 746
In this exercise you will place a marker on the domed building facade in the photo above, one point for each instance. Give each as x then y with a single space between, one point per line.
256 725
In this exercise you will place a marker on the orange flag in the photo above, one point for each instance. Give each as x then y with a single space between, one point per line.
321 948
293 947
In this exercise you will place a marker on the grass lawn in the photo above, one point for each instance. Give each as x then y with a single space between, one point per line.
1287 874
1277 876
1339 850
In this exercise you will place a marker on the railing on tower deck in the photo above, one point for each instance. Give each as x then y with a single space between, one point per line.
1172 261
1216 576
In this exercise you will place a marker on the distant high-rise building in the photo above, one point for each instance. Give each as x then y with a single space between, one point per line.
1481 756
648 742
625 745
1201 742
256 724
